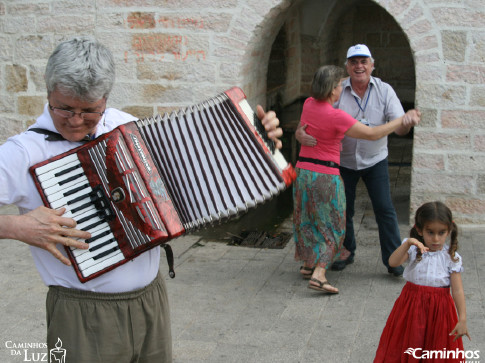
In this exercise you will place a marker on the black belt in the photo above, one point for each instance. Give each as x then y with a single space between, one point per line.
330 164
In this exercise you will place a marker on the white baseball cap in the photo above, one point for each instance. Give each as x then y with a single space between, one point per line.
358 50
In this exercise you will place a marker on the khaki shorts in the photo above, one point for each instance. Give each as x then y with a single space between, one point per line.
98 327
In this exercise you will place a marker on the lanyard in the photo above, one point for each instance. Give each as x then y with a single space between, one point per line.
366 102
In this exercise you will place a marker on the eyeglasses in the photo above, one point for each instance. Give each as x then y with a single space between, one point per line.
88 116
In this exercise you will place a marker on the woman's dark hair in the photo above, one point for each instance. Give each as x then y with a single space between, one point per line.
435 212
325 79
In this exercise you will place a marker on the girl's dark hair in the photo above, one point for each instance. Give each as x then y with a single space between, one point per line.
325 79
439 212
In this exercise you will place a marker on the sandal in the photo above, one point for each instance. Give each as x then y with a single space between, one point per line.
321 286
309 273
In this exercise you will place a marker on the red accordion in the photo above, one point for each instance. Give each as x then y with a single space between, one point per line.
151 180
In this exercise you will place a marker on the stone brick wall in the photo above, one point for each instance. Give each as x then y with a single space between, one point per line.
447 39
169 54
172 54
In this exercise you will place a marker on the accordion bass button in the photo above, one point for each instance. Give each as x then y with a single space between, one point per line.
117 195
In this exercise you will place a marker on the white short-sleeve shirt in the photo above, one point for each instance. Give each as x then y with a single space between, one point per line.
434 269
379 105
20 152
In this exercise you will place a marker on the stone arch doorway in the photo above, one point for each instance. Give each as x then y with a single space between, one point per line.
320 32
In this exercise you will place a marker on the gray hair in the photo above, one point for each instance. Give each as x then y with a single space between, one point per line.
347 61
325 79
82 68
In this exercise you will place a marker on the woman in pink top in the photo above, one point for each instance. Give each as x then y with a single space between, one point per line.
318 193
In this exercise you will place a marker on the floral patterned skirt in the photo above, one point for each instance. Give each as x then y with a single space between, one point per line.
318 217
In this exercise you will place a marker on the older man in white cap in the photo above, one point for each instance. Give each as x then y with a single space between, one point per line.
373 103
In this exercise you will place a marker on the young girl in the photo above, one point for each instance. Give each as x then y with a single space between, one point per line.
424 317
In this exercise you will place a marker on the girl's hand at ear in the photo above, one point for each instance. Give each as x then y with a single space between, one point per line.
419 245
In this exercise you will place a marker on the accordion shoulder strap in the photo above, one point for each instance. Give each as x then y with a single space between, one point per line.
54 136
51 136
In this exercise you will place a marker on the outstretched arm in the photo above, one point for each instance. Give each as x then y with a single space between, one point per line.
459 298
270 123
44 228
361 131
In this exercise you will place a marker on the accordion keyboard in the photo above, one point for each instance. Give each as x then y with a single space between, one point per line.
66 186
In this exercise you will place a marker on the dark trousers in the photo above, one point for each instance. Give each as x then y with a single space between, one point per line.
376 179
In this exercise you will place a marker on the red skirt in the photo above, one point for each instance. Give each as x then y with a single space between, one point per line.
419 326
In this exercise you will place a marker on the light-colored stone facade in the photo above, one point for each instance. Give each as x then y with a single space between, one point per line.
171 54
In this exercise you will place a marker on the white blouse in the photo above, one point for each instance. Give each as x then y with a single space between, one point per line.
434 269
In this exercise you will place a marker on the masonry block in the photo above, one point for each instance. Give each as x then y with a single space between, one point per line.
477 98
428 162
440 94
463 119
10 127
442 183
466 205
454 45
477 47
16 78
450 140
31 105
